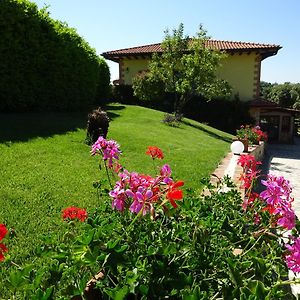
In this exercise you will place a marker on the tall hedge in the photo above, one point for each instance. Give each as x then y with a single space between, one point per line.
44 64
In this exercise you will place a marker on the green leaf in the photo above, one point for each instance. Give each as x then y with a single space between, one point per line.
49 293
144 289
233 273
16 279
121 249
260 291
111 244
87 237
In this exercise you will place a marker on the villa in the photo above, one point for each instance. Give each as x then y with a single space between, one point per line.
241 69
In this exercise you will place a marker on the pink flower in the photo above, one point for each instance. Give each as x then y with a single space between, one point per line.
278 190
109 149
279 200
292 258
141 200
287 218
165 173
119 198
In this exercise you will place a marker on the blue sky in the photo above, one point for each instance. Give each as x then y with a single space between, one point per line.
111 25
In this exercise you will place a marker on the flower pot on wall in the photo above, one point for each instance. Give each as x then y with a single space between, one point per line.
246 144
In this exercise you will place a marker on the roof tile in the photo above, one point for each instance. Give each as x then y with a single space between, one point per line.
211 44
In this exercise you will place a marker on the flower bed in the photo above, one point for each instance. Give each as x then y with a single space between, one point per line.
149 239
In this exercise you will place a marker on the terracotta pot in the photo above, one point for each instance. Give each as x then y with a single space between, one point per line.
246 144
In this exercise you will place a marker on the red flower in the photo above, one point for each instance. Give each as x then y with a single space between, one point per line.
3 231
155 152
3 249
73 213
248 161
174 193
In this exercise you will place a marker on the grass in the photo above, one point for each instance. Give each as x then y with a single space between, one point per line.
45 165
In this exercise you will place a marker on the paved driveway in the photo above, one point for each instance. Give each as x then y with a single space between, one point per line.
284 160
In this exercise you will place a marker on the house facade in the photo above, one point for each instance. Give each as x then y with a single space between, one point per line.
241 68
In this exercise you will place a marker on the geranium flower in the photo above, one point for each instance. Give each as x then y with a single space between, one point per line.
109 149
141 200
3 249
293 256
287 219
3 231
73 213
248 161
174 193
155 152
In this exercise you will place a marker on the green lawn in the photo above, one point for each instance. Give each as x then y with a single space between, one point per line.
45 165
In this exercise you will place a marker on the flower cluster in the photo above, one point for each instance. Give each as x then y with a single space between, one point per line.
74 213
109 149
293 257
260 135
253 134
140 193
155 152
279 201
250 170
3 233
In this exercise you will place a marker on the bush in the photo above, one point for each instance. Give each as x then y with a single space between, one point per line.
223 114
45 64
97 125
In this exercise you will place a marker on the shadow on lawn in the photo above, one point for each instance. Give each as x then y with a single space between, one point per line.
25 126
211 133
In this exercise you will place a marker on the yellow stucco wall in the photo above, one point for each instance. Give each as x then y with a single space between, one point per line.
131 67
238 70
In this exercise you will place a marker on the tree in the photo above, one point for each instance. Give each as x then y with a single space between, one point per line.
185 68
285 94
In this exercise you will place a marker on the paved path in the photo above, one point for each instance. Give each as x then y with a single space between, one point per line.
284 160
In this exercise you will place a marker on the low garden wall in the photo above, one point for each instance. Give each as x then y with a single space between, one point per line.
229 165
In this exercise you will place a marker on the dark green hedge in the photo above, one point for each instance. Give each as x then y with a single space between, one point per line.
44 64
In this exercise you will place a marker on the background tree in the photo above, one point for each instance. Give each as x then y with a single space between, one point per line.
185 68
286 94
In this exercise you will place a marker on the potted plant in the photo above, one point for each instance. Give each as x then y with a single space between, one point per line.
250 135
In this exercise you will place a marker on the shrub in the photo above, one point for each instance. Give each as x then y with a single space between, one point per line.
97 125
172 120
45 64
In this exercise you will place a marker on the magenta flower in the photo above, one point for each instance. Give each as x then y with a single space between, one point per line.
278 190
119 198
287 218
279 200
109 149
293 257
141 200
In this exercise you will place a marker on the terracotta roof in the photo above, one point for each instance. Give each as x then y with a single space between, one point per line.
270 106
228 46
262 103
